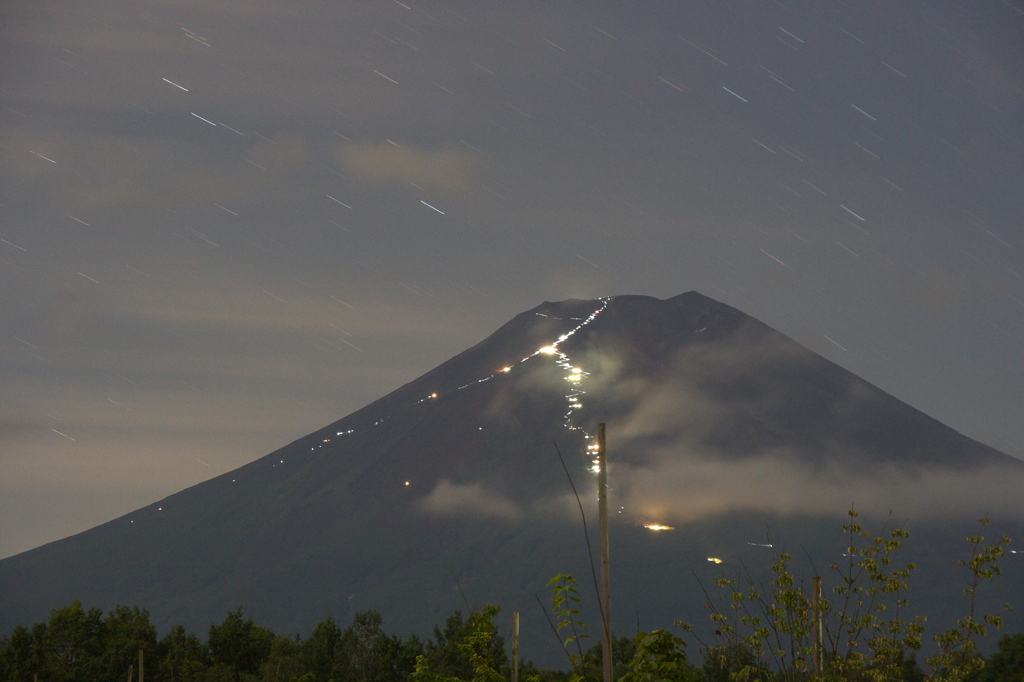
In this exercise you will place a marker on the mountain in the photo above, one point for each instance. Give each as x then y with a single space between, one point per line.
449 490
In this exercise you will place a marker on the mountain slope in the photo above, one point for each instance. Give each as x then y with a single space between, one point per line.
450 489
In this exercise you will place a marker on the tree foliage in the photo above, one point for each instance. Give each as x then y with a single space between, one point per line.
469 649
1007 663
766 632
760 630
81 645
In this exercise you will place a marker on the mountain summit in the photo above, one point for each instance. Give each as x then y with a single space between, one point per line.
449 490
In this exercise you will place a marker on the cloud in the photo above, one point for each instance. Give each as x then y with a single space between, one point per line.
686 488
753 422
751 391
453 499
447 170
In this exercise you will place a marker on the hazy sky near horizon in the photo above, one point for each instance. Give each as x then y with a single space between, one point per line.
224 225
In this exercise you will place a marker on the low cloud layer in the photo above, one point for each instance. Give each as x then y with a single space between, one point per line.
454 499
754 423
688 488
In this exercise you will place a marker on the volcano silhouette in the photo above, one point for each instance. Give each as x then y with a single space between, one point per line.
448 493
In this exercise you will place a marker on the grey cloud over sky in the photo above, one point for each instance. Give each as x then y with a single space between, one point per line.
174 288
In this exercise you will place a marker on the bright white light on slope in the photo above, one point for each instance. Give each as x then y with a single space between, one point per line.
548 350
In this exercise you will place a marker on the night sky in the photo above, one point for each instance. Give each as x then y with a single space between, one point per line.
226 224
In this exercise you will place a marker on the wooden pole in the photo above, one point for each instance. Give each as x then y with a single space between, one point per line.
140 667
816 606
131 672
602 512
515 646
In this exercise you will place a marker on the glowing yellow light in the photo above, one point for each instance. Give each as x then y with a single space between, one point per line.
433 395
548 350
714 560
506 369
574 377
577 370
407 482
657 526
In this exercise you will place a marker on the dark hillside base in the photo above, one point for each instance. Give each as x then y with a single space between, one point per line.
717 425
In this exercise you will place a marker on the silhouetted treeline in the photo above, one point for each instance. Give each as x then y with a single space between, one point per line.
84 645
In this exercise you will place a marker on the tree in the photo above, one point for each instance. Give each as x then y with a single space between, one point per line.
592 663
284 662
71 643
867 634
725 662
239 644
958 657
319 650
659 656
566 605
648 657
19 655
184 657
1007 663
365 653
126 631
469 649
